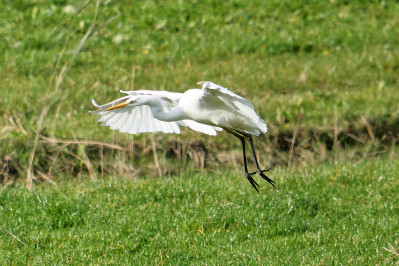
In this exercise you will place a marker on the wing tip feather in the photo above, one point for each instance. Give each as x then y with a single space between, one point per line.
95 103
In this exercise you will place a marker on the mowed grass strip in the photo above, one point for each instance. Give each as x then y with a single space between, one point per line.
330 214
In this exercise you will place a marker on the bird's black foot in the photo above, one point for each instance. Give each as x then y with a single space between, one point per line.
252 181
265 177
266 170
261 173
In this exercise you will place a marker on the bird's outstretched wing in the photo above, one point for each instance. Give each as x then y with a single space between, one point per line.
206 129
169 99
136 119
234 101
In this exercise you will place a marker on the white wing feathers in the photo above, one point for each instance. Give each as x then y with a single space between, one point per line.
132 119
210 130
165 95
236 102
136 119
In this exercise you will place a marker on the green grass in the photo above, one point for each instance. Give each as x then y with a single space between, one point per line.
346 51
327 215
333 63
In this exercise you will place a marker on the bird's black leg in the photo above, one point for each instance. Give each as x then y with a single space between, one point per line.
259 171
247 174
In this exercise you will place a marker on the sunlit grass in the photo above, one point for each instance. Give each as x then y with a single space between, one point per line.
331 63
343 214
346 52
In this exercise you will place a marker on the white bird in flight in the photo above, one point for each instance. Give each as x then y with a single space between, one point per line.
207 110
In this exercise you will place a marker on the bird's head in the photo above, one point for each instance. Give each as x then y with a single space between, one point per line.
135 100
131 101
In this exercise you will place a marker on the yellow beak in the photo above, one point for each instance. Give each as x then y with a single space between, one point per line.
119 105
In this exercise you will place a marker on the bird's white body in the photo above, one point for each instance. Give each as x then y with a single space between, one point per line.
207 110
216 112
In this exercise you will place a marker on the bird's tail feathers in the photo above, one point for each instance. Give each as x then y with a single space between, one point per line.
262 126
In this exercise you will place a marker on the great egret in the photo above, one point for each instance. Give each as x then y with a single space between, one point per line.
207 110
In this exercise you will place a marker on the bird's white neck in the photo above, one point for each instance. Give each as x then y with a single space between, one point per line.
173 115
159 113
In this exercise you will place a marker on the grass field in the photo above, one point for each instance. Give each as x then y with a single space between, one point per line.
322 74
326 215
